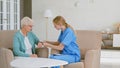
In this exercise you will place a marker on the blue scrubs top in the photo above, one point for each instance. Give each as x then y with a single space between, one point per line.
68 39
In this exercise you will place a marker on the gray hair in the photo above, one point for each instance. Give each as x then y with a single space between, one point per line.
26 21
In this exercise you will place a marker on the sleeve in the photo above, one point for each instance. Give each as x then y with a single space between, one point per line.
16 47
36 40
68 38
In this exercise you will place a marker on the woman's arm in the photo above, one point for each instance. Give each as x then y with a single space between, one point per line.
36 40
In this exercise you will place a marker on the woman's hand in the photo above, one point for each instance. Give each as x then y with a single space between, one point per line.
40 44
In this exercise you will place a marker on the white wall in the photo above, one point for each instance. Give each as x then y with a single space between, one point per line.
87 15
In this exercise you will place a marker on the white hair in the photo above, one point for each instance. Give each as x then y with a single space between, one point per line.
26 21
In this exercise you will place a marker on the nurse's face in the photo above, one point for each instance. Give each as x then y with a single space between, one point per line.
57 26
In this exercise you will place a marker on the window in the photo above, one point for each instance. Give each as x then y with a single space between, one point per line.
9 14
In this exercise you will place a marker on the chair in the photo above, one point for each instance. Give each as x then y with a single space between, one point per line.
6 45
6 55
90 45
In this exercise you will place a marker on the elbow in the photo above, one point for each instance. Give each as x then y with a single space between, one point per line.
61 48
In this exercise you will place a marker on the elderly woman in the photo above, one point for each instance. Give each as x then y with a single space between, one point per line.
25 40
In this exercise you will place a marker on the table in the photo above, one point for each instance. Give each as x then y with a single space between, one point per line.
110 41
110 63
110 59
29 62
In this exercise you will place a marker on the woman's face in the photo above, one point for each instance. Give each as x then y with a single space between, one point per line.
28 28
57 26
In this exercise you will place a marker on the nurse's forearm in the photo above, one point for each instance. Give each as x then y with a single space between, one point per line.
53 43
59 47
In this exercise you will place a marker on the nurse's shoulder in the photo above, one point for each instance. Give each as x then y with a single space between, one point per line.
69 30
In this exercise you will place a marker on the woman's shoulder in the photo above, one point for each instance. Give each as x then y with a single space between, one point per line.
31 33
17 33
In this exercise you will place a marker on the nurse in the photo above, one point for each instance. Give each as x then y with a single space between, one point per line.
70 51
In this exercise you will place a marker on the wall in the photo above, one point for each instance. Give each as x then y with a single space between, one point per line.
81 14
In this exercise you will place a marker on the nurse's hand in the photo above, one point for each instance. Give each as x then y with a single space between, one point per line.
46 44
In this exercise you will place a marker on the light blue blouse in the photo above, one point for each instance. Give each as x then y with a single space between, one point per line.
19 47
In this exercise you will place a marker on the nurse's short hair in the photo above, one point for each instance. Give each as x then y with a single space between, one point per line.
26 21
